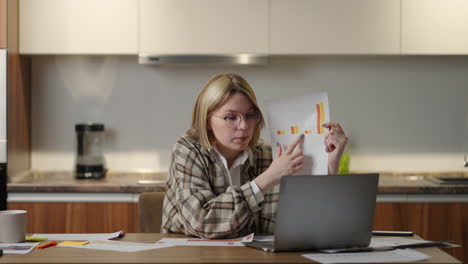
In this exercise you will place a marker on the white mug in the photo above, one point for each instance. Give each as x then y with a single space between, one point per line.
12 226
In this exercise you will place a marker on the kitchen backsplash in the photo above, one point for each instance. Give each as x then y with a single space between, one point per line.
401 113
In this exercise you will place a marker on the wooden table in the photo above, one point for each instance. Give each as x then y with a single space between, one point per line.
178 254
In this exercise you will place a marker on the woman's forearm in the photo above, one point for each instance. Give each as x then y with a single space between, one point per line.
264 182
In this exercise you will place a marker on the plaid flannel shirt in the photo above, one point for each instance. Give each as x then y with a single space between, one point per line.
200 202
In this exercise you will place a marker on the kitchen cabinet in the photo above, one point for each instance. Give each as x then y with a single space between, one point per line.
431 221
434 27
391 216
3 25
203 27
18 96
226 27
335 27
78 27
67 217
441 221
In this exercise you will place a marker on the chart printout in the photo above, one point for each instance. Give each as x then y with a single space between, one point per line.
292 116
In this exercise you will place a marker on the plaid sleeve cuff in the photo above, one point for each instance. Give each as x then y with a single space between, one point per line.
250 198
257 193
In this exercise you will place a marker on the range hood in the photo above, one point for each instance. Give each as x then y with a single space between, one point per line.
227 59
185 32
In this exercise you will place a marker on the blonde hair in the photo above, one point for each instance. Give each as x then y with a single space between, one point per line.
214 95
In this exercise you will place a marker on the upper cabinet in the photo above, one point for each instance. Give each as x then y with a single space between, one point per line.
233 27
3 26
434 27
203 27
335 27
79 26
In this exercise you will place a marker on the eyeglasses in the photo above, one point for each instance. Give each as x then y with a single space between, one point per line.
233 120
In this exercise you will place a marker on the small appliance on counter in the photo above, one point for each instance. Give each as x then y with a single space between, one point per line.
89 159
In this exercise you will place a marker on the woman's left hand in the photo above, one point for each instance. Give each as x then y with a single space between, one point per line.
335 144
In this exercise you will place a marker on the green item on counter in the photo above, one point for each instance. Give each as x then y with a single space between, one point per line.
344 164
35 239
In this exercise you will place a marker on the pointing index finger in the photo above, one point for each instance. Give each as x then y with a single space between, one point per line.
294 144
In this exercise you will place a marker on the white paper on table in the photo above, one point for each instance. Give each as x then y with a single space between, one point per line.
289 117
236 242
80 237
377 242
394 241
118 246
398 255
264 238
18 248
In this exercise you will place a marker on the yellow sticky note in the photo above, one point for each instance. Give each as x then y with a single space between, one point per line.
73 243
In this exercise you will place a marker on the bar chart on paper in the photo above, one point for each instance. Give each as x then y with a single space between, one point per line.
320 117
290 117
320 120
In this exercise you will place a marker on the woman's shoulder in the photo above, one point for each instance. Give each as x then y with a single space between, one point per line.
187 146
187 142
262 144
262 149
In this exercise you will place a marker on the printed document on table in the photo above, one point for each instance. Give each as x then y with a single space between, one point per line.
394 241
236 242
118 246
289 117
81 237
263 238
398 255
18 248
380 243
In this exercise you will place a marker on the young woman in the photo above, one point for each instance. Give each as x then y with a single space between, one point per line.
223 182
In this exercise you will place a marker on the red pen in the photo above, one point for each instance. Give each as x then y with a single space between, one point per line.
48 244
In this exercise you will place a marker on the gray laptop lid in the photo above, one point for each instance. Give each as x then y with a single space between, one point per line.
330 211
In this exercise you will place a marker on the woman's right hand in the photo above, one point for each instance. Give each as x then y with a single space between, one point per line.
285 164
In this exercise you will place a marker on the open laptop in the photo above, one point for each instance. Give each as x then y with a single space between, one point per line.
323 212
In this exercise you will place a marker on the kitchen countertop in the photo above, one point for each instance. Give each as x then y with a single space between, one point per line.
64 182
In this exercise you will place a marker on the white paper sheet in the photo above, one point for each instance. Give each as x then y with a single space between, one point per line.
80 237
18 248
394 241
398 255
118 246
236 242
380 242
263 238
292 116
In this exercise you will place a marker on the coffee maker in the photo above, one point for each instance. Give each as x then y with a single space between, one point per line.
89 159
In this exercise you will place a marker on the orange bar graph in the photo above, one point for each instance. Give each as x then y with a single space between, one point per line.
317 106
295 130
320 117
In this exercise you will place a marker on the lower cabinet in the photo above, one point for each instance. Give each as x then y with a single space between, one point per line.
79 217
431 221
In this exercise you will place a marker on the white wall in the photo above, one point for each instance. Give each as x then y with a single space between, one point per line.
401 113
